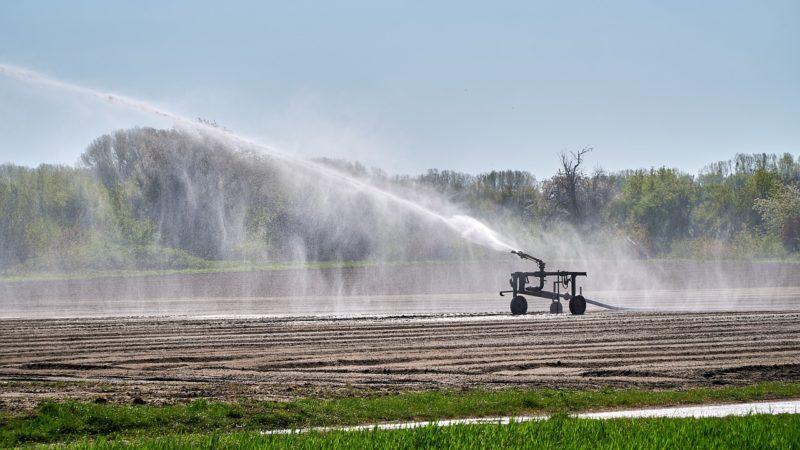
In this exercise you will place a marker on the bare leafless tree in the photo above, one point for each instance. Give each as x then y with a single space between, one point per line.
565 187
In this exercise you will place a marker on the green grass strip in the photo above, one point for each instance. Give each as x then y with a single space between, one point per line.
211 267
751 432
64 422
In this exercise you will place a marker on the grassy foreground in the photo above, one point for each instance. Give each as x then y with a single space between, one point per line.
752 432
72 421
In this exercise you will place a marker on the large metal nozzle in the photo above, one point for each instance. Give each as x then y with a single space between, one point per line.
524 255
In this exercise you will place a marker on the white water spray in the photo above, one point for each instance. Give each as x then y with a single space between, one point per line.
467 227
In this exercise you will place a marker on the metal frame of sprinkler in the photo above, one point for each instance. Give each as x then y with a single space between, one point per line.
577 302
520 286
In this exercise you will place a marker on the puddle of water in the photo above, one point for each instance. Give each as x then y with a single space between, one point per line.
739 409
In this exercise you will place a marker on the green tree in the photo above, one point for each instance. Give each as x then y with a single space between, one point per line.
656 206
781 215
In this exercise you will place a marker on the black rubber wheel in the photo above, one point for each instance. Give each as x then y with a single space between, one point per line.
519 305
577 305
556 308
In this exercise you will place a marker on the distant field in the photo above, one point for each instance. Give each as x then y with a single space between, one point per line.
403 288
211 267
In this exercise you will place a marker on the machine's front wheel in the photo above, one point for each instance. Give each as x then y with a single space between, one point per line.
577 305
519 305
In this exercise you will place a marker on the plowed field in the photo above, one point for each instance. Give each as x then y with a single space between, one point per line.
166 359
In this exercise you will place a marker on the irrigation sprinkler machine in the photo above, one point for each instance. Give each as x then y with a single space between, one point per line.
522 286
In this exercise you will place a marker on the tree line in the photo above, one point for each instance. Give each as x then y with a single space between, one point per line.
163 198
750 202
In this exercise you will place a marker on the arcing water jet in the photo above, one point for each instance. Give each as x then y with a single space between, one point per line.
467 227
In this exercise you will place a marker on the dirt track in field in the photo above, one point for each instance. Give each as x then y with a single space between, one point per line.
165 360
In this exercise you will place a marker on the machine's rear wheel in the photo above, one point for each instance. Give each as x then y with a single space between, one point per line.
577 305
519 305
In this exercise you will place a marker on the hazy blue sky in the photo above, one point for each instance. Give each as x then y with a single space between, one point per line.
412 85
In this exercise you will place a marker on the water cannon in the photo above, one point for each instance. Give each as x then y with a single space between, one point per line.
524 255
521 286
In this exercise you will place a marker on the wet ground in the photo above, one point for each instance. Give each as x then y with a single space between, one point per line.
735 409
427 288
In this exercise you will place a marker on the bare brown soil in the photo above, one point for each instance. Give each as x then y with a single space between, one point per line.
167 360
